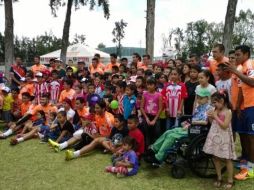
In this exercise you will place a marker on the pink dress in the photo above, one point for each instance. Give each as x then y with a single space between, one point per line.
219 142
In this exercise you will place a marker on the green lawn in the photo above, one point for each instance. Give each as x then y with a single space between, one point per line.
32 165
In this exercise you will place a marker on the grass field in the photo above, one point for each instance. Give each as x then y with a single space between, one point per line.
32 165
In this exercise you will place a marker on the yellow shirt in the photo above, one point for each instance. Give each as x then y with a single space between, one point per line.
7 102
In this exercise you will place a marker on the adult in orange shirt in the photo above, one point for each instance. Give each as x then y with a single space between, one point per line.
146 62
44 106
246 76
113 62
98 56
104 121
96 67
218 57
136 59
68 92
37 67
80 107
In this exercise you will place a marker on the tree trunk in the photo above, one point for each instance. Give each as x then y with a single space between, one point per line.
8 36
150 21
66 30
229 25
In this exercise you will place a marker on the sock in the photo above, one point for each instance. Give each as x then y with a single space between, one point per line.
8 132
76 154
250 164
21 139
41 136
63 145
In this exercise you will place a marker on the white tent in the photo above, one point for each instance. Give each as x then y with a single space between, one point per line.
77 52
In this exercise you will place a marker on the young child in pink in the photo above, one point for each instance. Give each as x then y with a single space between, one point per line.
151 106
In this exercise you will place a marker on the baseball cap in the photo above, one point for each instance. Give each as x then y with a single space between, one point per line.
203 92
22 79
6 89
39 74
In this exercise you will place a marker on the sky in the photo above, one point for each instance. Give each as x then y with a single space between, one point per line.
33 17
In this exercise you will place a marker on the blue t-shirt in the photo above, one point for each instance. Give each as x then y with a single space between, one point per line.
200 113
128 105
131 157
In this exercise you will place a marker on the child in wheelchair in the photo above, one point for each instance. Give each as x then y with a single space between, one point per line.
158 151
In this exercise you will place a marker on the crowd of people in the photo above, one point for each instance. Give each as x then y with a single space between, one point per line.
130 108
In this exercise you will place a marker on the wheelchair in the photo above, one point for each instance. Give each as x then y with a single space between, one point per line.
187 152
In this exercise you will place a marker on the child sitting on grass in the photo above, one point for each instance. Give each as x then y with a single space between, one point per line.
83 136
62 131
127 165
33 130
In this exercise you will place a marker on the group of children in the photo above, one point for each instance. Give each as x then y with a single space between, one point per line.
132 109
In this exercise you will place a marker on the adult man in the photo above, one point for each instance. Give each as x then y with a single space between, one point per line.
113 62
96 67
146 62
246 75
52 64
17 71
37 67
194 60
218 57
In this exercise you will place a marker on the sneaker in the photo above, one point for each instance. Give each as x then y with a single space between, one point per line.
69 155
251 173
241 164
55 145
13 141
242 175
2 136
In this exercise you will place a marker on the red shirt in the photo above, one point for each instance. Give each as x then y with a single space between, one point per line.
139 137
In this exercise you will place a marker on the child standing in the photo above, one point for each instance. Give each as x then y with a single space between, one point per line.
129 101
174 93
127 165
55 87
41 87
191 86
7 104
219 142
151 106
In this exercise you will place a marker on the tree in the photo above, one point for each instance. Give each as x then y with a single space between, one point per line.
214 34
229 25
79 39
9 36
101 45
150 22
55 4
178 39
244 29
118 33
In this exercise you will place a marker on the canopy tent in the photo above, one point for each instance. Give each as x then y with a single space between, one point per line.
77 52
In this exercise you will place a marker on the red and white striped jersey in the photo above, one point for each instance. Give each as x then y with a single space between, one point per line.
40 89
55 88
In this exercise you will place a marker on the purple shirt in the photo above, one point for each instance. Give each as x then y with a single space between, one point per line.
131 157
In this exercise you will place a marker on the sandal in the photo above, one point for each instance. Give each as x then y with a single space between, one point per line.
229 185
217 183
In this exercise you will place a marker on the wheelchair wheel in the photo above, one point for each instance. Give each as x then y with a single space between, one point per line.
178 170
199 162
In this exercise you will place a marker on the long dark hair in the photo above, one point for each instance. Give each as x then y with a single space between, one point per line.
222 95
208 74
